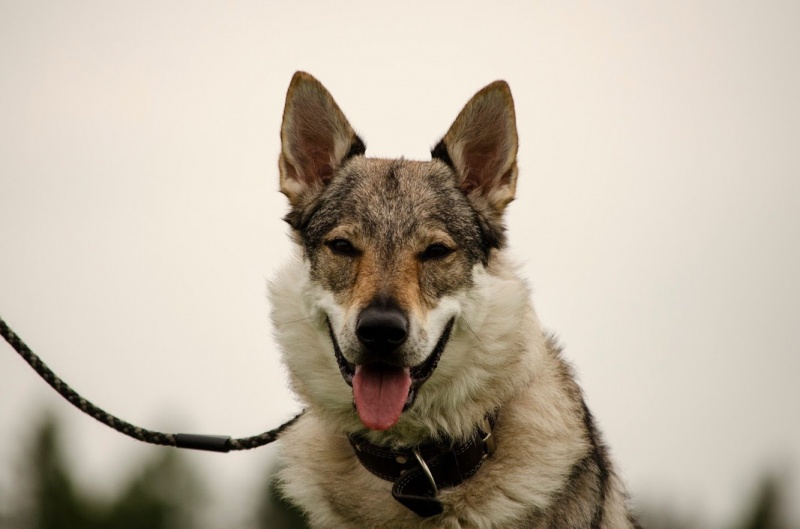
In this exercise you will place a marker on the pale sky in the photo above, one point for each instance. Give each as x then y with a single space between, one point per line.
657 215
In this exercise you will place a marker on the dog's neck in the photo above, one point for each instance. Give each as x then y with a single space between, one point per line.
420 471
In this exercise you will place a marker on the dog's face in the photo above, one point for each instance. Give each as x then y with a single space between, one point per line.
391 247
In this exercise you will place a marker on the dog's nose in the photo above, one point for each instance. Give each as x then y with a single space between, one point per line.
382 327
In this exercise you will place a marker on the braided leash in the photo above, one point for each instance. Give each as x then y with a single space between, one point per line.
212 443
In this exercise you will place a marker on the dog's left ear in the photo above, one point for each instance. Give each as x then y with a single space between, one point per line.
481 146
316 138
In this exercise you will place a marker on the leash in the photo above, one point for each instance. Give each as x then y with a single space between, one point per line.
210 443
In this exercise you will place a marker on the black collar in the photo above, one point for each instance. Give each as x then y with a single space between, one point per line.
418 473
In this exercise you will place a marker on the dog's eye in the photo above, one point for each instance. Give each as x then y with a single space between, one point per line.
342 247
435 251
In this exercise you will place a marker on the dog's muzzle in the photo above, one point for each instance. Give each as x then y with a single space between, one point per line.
382 374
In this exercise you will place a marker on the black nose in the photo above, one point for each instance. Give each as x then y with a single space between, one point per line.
382 327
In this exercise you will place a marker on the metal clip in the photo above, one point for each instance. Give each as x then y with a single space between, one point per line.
426 470
489 443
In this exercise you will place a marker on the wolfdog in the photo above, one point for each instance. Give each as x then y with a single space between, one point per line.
433 397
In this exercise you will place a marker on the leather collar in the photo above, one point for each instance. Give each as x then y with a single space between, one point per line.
419 472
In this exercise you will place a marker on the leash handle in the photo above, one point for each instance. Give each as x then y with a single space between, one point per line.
211 443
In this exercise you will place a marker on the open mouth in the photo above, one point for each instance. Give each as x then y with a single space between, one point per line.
382 391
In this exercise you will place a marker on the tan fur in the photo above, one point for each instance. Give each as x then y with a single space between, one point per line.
539 433
550 469
368 272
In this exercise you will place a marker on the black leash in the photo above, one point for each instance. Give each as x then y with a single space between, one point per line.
211 443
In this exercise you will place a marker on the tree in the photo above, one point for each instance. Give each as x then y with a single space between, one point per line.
163 495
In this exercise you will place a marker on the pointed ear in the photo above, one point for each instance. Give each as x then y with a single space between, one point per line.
481 147
315 139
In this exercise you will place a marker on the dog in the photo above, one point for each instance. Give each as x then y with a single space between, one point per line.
433 396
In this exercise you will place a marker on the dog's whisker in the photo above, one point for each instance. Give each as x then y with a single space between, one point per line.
282 323
469 328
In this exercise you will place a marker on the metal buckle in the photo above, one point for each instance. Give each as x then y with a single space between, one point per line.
426 470
489 443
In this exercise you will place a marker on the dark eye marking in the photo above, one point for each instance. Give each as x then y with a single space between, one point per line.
343 247
435 251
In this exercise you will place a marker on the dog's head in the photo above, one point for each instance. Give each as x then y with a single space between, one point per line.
390 249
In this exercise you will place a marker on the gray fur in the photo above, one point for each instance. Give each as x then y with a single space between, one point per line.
364 230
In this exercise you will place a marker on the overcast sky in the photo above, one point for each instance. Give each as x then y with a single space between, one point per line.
657 214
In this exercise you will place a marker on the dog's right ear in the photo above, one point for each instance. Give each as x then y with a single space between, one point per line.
315 139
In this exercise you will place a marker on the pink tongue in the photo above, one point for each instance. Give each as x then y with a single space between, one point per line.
380 393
